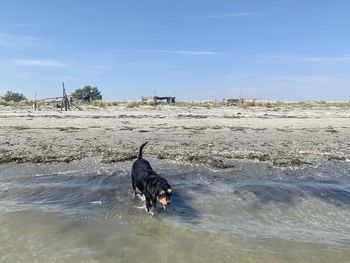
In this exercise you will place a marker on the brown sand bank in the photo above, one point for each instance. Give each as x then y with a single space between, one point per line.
197 135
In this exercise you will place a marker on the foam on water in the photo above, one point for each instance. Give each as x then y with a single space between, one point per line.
252 213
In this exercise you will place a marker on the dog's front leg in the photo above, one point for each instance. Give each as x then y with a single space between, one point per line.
148 204
149 207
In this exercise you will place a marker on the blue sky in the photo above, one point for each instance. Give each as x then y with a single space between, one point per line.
194 50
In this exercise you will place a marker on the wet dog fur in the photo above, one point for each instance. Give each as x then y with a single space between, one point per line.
153 186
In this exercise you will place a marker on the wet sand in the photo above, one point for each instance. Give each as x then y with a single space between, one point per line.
210 136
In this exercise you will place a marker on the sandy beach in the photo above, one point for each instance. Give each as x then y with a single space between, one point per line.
209 136
253 184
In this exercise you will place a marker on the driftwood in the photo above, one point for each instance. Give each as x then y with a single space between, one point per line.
66 101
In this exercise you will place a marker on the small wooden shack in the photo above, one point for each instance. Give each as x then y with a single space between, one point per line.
233 101
157 100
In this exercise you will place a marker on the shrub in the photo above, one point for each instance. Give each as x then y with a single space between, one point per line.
87 93
13 96
132 104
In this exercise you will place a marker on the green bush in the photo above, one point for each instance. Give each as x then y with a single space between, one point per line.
13 96
87 93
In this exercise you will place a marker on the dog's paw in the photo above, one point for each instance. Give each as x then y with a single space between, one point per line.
141 207
150 212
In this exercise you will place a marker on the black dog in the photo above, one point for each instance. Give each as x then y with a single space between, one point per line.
149 183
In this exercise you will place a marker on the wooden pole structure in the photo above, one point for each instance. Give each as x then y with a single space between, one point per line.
62 96
65 100
65 103
34 104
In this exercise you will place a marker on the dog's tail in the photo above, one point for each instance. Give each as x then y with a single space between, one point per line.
140 151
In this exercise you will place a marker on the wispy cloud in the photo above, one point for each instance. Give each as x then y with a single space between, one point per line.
17 24
99 67
302 59
183 52
13 41
232 15
326 59
38 63
318 86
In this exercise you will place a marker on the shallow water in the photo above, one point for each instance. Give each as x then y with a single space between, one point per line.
83 212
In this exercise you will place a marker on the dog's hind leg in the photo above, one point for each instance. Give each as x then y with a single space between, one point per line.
133 187
141 197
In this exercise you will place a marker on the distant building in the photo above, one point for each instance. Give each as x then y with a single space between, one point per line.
233 101
156 100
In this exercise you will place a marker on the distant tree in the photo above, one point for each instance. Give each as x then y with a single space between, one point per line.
13 96
87 93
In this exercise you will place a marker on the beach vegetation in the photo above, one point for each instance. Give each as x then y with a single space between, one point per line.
133 104
87 94
13 96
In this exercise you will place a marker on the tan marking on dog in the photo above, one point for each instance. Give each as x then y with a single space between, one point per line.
163 201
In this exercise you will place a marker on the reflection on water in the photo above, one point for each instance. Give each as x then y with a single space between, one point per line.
83 212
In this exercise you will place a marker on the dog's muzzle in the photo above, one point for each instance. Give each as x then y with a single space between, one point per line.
165 206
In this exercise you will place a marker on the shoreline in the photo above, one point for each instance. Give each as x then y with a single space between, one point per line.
197 135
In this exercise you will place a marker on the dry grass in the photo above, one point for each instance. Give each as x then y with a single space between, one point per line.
195 104
317 105
247 103
307 105
14 104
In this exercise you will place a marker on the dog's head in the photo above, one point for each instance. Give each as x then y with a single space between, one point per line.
164 196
